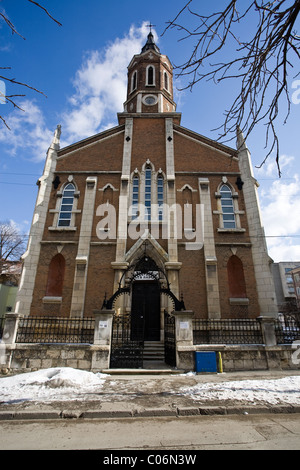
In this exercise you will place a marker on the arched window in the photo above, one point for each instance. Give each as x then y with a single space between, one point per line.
148 184
134 81
150 75
160 196
65 213
56 276
236 278
135 196
227 207
166 81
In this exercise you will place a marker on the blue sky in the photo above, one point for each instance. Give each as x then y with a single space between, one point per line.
82 68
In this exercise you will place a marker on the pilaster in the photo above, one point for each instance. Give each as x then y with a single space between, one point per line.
81 267
123 198
171 193
211 271
261 259
32 254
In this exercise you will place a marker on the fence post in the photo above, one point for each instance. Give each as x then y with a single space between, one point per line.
267 325
184 339
10 328
9 335
102 339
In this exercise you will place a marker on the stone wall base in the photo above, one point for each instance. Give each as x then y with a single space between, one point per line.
253 357
95 358
31 357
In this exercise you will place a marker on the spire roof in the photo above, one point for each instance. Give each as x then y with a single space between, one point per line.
150 44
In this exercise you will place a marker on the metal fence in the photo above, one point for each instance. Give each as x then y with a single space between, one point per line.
55 330
229 331
1 326
205 331
127 343
287 330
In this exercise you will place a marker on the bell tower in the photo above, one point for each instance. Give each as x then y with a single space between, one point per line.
150 81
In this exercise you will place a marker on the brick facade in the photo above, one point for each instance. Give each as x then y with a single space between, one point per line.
101 170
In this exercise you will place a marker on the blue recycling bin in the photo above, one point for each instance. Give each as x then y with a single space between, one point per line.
205 361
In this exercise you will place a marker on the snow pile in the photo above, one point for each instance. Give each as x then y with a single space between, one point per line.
61 383
274 392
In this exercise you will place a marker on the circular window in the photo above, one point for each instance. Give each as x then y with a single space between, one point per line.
150 100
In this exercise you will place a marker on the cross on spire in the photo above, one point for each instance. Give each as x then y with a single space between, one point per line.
150 26
150 44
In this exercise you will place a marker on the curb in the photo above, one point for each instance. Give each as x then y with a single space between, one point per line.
148 413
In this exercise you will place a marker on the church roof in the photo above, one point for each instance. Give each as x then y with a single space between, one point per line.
150 44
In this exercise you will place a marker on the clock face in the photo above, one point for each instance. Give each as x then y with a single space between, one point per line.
150 100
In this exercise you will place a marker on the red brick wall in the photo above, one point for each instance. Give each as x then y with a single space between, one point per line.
148 142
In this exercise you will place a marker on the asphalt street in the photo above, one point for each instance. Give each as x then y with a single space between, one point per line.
147 412
244 432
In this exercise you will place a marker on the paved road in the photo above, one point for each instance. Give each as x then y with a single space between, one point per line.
267 432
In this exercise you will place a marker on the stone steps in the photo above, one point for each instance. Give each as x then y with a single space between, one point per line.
154 351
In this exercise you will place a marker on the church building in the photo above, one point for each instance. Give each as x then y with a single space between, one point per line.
147 216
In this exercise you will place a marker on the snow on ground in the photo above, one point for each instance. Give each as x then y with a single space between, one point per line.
47 385
62 384
273 392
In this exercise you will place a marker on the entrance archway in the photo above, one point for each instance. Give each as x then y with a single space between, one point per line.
145 269
145 282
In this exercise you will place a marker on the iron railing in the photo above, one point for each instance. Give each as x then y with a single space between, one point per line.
127 343
55 330
287 330
1 326
205 331
228 331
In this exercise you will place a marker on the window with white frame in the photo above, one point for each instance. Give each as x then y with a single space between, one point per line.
135 196
160 196
166 81
150 75
134 81
66 207
148 192
227 205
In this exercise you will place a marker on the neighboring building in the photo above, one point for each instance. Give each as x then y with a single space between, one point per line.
9 280
296 279
283 281
87 241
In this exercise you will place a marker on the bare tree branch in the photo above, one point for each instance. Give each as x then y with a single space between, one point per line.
12 244
46 11
9 98
261 63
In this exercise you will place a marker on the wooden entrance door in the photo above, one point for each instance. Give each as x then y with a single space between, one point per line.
145 311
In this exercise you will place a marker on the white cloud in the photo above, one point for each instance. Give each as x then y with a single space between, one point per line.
100 90
101 85
270 169
28 131
280 202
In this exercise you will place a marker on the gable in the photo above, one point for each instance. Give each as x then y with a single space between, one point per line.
194 152
102 152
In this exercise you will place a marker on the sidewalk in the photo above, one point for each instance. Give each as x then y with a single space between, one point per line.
134 394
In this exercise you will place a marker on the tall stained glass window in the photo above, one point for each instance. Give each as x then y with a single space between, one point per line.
148 183
227 207
65 213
